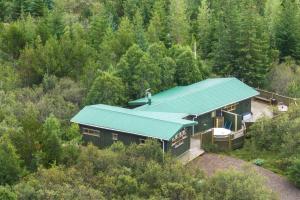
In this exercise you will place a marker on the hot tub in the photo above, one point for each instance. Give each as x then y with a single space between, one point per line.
221 132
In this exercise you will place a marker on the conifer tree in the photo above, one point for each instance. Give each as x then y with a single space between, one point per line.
179 23
204 29
157 29
140 36
10 163
287 31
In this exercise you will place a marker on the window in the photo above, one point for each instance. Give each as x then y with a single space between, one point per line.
230 108
178 140
91 132
142 141
115 136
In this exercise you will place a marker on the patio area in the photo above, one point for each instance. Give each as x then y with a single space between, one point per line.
260 109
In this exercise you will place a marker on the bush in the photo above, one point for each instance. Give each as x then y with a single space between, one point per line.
294 172
231 184
7 194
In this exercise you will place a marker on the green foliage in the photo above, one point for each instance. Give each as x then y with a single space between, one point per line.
7 194
10 164
188 68
8 78
57 56
294 172
178 22
259 162
242 48
51 143
106 89
287 29
231 184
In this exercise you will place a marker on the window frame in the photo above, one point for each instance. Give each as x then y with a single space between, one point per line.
230 107
142 141
91 132
115 136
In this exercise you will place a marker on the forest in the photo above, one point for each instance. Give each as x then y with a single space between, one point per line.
56 56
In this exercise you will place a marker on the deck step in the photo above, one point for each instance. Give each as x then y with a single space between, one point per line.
190 155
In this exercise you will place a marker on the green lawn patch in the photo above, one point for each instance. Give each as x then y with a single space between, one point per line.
265 159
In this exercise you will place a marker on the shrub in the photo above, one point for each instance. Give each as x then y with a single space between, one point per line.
7 194
231 184
294 172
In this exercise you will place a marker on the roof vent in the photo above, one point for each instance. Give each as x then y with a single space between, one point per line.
148 96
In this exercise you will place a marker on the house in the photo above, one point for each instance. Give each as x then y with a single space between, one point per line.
103 125
173 116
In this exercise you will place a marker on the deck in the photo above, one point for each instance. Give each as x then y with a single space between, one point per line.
194 151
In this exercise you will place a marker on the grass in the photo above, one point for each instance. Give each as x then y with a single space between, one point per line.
267 159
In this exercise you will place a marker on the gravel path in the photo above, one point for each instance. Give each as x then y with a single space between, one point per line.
210 163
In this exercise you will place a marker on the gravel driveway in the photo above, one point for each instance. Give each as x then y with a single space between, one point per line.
210 163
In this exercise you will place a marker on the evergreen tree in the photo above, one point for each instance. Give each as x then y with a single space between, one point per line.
50 142
288 29
147 75
10 163
253 58
139 31
98 26
272 13
127 69
106 89
242 48
159 56
204 39
157 29
188 69
115 44
178 22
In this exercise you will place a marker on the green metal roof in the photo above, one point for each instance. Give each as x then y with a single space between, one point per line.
150 124
198 98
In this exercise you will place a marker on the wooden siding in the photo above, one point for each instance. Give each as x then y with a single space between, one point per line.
243 107
205 122
105 139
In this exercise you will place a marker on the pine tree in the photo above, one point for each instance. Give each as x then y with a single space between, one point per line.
139 31
179 23
98 26
157 29
253 58
287 30
242 48
204 29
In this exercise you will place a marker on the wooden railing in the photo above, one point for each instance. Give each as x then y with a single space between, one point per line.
267 96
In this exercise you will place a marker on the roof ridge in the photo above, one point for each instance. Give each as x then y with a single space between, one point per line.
188 93
130 110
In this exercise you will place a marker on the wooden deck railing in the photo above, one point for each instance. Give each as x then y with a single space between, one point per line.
267 96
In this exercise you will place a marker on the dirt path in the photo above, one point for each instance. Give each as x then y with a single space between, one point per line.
210 163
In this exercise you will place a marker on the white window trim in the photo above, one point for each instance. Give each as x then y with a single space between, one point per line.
91 132
142 143
115 136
